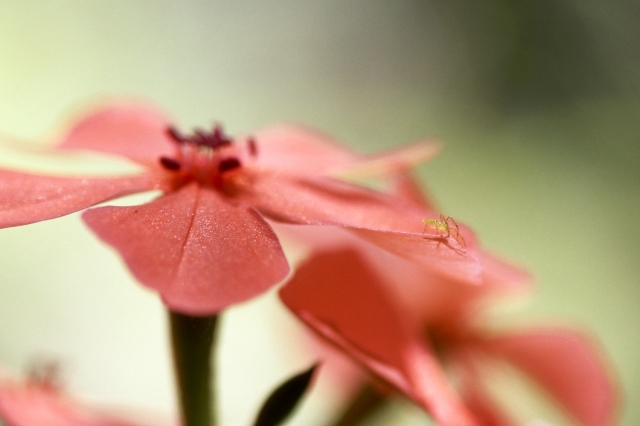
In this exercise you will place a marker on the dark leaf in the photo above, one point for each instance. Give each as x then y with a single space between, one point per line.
284 399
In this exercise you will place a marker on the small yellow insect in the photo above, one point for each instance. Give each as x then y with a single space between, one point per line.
445 226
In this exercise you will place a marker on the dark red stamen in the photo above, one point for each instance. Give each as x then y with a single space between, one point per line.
214 139
217 137
228 164
199 137
253 147
170 163
176 135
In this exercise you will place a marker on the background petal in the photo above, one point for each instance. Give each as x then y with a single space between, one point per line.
475 395
430 295
567 365
485 410
341 299
135 131
32 404
27 198
199 252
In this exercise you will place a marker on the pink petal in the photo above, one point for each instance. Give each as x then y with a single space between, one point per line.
299 149
497 275
32 404
433 298
434 393
391 162
302 150
338 296
326 201
199 252
502 276
485 410
386 221
475 395
27 198
444 258
567 365
135 131
408 188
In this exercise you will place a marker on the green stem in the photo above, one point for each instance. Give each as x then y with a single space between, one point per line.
192 340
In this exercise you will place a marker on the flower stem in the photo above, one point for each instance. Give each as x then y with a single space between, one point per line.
192 340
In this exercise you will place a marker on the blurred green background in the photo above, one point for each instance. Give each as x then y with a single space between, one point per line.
536 103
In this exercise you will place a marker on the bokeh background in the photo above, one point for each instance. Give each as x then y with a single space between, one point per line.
535 101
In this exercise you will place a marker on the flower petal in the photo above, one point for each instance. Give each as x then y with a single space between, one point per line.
389 222
425 295
476 397
199 252
135 131
485 409
407 187
390 162
567 365
27 198
326 201
298 149
502 276
33 404
440 256
338 296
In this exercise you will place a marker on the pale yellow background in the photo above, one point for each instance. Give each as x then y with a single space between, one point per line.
554 186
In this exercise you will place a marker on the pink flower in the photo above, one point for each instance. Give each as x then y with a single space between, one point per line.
405 324
204 243
34 403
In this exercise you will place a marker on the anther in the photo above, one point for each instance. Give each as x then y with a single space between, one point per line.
218 138
200 137
170 163
176 135
228 164
253 147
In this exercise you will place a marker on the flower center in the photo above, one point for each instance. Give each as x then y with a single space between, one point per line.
208 157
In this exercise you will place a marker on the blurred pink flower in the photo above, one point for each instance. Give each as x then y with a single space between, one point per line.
408 326
34 403
204 244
